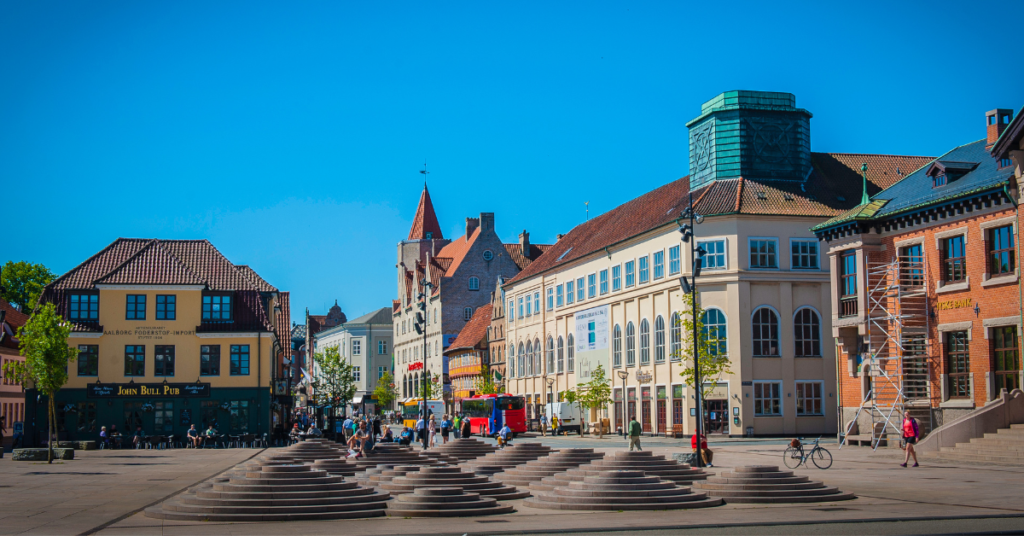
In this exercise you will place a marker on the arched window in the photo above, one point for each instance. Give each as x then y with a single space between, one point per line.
416 385
435 348
572 352
561 354
405 384
677 337
474 283
551 356
766 333
807 333
536 357
645 342
617 346
630 345
714 331
520 370
659 339
529 358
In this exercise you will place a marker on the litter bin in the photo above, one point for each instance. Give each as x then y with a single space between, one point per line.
750 431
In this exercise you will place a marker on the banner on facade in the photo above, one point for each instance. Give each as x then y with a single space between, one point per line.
591 341
154 390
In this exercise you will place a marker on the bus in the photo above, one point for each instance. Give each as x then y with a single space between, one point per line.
487 413
412 407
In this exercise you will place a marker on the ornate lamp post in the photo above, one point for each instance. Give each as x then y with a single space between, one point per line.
690 287
623 374
420 325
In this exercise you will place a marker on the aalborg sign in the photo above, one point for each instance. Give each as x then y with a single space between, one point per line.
159 390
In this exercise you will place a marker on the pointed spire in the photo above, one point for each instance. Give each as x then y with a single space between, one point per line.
425 220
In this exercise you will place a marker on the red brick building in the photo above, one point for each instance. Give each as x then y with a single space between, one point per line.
12 400
926 289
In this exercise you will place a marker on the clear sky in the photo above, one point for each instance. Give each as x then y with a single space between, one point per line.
290 134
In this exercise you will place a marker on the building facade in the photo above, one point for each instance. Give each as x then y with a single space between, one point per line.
12 399
608 292
926 287
468 356
459 272
170 333
366 343
496 333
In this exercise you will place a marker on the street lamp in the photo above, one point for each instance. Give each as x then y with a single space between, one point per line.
623 374
420 325
690 287
551 396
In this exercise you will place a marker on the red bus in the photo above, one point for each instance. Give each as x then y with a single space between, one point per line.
487 413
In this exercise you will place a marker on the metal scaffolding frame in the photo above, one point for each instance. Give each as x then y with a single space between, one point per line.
898 347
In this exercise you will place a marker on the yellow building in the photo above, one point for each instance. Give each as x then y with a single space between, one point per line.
170 333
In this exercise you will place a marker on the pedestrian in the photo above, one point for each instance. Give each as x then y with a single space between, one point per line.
376 427
634 434
467 428
704 453
458 425
543 424
432 428
554 425
3 430
346 428
911 433
421 429
504 436
446 428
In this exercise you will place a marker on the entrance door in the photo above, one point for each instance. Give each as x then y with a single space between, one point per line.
645 408
662 426
631 409
716 417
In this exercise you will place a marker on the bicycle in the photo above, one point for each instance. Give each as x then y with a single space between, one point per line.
794 456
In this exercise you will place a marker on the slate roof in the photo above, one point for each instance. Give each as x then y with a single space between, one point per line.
380 316
299 332
833 187
474 331
916 191
425 219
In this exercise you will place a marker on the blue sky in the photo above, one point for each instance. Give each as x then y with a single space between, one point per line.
291 134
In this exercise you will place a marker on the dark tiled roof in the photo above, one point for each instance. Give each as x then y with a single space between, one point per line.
833 187
13 320
153 265
425 220
474 331
299 332
255 278
380 316
515 252
85 274
283 319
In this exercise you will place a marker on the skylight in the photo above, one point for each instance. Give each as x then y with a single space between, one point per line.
562 256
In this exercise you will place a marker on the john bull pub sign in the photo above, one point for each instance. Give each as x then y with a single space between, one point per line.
157 390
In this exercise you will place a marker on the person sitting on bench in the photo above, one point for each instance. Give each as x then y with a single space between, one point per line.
504 436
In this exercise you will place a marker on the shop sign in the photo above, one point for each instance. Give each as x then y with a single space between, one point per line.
644 377
149 332
416 366
138 390
954 304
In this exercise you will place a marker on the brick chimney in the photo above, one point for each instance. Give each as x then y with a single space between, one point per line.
471 225
995 122
524 242
486 222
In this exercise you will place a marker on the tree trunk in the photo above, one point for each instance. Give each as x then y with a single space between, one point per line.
50 422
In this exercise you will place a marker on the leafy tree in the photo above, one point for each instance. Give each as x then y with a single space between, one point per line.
572 396
44 343
335 381
487 383
711 359
597 393
434 387
23 282
386 392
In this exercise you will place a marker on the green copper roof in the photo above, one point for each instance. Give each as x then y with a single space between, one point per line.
749 100
859 212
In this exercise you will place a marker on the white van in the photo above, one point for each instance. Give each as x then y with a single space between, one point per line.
568 416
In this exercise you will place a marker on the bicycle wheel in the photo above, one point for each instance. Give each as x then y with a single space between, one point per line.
822 458
792 457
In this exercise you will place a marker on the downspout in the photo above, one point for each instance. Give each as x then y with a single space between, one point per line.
259 377
1020 290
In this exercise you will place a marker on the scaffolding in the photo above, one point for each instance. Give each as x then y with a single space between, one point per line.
898 347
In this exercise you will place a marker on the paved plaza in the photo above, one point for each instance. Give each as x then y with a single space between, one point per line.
103 492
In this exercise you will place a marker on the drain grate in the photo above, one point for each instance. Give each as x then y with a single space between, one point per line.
492 521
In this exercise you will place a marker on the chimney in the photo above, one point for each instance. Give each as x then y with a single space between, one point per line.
471 225
486 222
524 242
995 122
558 237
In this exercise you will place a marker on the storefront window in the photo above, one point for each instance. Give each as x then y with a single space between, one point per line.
958 364
209 414
239 416
86 417
132 416
1007 358
163 417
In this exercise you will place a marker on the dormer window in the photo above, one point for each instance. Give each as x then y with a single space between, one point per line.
944 172
1005 162
939 180
430 235
216 308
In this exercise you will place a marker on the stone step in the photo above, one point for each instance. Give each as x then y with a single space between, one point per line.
445 502
538 502
159 513
787 500
767 484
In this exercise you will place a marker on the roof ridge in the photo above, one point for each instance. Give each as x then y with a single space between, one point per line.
739 193
148 245
94 255
231 264
873 154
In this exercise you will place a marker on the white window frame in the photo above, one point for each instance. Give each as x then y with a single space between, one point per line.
750 256
817 260
640 270
570 292
617 280
357 347
602 282
581 293
782 409
725 252
520 307
591 285
559 296
654 265
679 260
467 313
551 299
356 374
382 347
536 302
529 306
511 311
627 273
796 398
380 372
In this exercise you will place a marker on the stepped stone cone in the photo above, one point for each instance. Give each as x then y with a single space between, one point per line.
509 457
451 477
467 448
337 466
391 454
445 502
434 454
275 493
387 473
553 464
766 484
621 490
314 449
646 461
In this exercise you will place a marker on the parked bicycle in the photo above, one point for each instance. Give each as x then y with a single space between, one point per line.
795 457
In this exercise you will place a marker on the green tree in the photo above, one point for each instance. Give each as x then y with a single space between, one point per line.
335 381
386 392
712 361
597 393
434 388
487 383
23 282
572 396
44 343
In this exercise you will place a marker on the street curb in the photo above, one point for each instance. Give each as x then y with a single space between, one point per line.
118 519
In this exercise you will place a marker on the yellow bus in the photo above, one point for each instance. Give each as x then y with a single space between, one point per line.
412 407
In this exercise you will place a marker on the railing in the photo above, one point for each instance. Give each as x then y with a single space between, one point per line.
847 307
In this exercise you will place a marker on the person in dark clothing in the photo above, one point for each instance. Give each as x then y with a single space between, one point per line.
376 427
467 430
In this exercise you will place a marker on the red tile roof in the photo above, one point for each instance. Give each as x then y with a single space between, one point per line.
255 278
13 316
456 251
283 319
474 331
425 220
515 252
153 265
833 187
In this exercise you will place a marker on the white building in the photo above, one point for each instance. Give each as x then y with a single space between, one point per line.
365 342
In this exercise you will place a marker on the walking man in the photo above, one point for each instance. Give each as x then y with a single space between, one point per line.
346 428
634 434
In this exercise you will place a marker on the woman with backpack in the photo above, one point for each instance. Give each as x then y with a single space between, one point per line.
911 433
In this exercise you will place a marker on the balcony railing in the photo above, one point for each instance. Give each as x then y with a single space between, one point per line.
847 307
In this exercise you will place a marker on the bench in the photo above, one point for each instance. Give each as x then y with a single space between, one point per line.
677 431
40 455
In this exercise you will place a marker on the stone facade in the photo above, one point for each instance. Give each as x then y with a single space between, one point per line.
496 334
366 343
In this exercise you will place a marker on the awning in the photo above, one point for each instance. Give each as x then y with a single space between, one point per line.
358 399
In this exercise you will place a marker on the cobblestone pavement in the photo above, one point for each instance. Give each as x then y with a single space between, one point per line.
991 495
